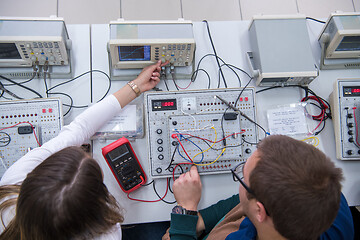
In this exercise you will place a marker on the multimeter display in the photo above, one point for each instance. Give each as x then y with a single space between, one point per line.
118 153
124 165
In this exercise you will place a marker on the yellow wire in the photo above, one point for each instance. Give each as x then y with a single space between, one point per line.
205 164
317 141
192 160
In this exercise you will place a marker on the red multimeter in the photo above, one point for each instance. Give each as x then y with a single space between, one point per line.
124 164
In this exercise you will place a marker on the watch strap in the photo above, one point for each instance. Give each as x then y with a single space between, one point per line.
135 88
180 210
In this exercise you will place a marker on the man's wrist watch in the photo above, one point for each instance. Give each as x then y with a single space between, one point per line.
180 210
135 88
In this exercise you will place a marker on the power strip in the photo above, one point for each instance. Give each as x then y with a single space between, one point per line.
45 115
196 114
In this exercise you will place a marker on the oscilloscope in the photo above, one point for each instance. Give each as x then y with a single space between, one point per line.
139 44
26 41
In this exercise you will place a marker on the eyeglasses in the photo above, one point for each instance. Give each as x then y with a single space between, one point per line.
237 173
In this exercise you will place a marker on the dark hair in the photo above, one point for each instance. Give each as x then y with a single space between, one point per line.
64 198
299 186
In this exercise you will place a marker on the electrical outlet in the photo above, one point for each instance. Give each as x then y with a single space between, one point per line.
189 105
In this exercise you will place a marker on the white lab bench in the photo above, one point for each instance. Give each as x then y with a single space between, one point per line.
231 42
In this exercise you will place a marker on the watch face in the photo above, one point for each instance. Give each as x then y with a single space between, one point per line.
177 210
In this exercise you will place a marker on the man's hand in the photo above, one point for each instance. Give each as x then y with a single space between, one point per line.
187 189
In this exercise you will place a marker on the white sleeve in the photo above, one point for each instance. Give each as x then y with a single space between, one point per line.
74 134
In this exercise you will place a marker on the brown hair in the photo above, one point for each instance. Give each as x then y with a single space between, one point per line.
63 198
298 185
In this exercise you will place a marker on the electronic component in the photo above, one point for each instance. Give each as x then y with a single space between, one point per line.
26 42
166 118
124 164
138 44
281 51
46 117
134 45
345 108
230 116
340 41
25 130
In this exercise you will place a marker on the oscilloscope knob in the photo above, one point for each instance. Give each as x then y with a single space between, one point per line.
174 123
161 157
159 141
159 131
158 170
351 139
174 143
350 125
351 132
248 150
160 149
349 152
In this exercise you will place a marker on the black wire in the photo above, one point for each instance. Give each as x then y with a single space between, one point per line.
147 184
316 20
26 81
170 186
66 82
237 75
71 101
46 87
27 88
5 140
172 157
243 138
213 47
167 87
196 71
324 107
160 196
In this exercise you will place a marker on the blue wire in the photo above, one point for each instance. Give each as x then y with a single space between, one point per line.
182 137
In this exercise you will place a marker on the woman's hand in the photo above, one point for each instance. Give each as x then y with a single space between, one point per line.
149 77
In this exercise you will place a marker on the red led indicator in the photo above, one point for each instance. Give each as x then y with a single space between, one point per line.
167 104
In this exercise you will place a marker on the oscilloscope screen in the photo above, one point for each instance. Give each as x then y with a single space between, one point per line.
134 53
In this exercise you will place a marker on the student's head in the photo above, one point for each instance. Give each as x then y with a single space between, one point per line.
294 185
65 198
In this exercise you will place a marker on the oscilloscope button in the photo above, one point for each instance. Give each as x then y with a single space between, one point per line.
161 157
159 131
159 141
160 149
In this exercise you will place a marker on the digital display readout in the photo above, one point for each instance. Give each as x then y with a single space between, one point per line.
134 53
118 152
351 91
164 105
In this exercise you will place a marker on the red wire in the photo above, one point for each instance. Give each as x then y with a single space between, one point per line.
31 127
321 115
184 87
175 136
176 167
356 125
242 131
319 122
150 201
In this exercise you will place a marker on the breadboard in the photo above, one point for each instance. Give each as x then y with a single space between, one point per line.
194 116
44 114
